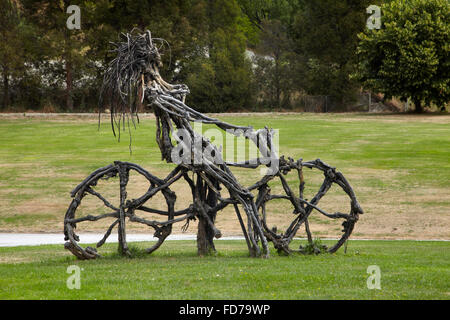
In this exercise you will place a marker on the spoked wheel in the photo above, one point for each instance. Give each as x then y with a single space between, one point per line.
298 207
106 192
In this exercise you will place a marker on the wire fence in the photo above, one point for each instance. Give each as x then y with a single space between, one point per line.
363 102
318 104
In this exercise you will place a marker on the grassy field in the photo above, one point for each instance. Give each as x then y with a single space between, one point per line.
398 165
409 270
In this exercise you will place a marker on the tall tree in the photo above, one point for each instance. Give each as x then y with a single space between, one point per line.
272 64
409 57
273 48
11 52
219 74
61 49
325 33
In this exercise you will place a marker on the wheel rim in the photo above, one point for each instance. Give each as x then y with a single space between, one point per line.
302 208
127 208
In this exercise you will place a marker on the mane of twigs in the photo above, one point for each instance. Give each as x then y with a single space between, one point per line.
121 91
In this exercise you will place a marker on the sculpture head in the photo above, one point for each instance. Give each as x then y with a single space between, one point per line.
137 55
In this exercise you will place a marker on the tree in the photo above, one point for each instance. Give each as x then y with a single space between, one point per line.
258 11
325 34
11 53
61 51
273 49
409 56
217 71
272 64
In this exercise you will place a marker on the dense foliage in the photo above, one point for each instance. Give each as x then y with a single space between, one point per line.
409 57
233 54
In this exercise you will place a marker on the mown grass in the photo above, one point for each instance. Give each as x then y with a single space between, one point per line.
398 165
418 146
409 270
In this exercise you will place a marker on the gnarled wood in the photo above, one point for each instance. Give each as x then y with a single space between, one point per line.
132 79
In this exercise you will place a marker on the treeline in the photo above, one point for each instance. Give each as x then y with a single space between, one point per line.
233 54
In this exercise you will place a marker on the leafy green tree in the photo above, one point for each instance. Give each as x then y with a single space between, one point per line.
273 49
180 23
258 11
272 64
204 48
219 75
325 35
62 51
409 55
11 53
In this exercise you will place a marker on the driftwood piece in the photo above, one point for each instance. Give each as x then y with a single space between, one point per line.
133 79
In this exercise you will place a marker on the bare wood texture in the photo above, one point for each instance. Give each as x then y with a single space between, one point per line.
131 80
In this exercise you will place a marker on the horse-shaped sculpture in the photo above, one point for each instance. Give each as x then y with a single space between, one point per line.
133 79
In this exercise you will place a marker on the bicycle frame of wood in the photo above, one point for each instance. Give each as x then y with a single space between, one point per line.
133 79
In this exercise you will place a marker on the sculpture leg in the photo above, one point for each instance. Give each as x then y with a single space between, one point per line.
205 198
124 176
254 227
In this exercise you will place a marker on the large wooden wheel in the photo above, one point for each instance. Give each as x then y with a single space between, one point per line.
300 208
106 181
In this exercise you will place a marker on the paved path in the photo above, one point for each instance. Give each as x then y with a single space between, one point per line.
31 239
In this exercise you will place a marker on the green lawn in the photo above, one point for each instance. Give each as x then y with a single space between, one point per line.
398 165
409 270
